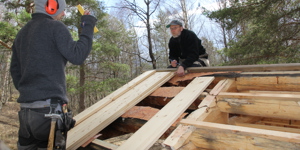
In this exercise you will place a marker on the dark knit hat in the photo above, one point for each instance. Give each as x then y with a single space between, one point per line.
40 7
174 22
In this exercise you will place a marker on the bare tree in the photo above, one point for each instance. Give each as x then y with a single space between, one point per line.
161 38
183 10
144 14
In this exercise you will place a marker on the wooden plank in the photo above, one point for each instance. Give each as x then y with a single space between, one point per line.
283 106
111 97
105 144
146 113
273 73
266 127
176 80
229 137
279 122
257 122
264 87
244 119
255 81
274 92
274 83
216 116
245 68
180 135
225 86
169 92
210 101
146 136
95 123
159 102
269 96
90 140
289 80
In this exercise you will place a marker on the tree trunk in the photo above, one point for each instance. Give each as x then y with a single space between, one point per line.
82 89
4 94
81 106
153 60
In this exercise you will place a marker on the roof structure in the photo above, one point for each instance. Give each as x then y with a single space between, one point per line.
230 107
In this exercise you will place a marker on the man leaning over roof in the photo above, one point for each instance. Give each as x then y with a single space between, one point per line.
185 49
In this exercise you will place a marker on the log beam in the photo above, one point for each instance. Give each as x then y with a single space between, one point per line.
282 106
228 137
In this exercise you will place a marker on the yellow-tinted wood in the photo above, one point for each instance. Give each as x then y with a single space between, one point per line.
98 121
146 136
111 97
81 10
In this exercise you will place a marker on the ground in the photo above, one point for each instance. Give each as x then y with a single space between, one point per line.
9 124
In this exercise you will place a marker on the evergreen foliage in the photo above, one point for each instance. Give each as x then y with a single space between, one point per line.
268 31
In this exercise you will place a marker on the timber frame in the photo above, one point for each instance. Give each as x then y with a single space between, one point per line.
230 107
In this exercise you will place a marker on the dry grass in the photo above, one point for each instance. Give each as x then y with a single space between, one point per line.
9 124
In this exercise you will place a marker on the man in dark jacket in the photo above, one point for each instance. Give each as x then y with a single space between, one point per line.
40 52
185 49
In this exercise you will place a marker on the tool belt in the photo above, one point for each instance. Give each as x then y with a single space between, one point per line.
36 104
63 125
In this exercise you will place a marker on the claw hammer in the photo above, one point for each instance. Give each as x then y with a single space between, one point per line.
54 118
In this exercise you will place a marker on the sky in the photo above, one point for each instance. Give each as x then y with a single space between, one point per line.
209 26
209 4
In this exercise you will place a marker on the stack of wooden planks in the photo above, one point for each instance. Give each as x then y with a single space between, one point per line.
233 107
94 119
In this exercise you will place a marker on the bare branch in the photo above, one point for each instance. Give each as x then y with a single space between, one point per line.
5 45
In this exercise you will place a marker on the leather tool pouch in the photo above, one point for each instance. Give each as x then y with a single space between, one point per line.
62 130
69 122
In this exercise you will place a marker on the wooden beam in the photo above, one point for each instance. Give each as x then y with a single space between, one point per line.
273 73
244 119
146 113
169 92
180 135
111 97
104 144
280 122
216 116
220 136
268 83
245 68
257 122
146 136
210 101
283 106
163 95
267 127
95 123
176 80
273 92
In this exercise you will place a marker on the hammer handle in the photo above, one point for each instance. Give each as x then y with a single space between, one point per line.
51 135
81 10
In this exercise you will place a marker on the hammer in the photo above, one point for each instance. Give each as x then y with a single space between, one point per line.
54 118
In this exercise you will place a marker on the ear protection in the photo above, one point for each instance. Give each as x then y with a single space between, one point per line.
51 6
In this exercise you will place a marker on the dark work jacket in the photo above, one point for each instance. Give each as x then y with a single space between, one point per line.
40 52
187 46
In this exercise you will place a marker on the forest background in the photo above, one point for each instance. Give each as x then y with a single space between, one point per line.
133 38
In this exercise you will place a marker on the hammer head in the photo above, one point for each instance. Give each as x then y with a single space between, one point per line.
53 116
